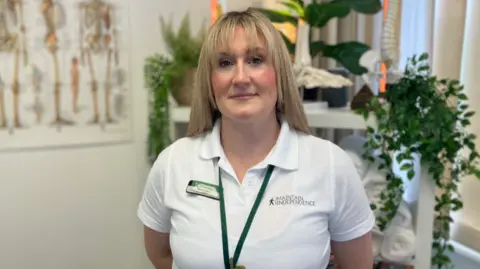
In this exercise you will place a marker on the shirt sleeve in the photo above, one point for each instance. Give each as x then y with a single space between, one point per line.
152 210
352 216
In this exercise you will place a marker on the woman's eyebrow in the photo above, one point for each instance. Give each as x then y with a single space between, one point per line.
247 51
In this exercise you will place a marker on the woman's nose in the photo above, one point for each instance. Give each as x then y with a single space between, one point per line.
241 75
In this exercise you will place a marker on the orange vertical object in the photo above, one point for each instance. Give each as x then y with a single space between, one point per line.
383 67
213 11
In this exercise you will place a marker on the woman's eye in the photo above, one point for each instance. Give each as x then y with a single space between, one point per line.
224 63
256 60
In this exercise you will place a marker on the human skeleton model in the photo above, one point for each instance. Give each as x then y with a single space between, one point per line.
52 14
388 53
98 36
11 17
310 77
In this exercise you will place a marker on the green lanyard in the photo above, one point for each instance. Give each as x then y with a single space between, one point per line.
230 263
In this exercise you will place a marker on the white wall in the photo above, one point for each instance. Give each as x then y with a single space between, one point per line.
75 208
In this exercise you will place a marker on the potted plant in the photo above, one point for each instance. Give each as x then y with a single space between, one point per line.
184 49
416 116
318 15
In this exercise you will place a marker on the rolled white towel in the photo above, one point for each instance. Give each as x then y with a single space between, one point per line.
403 217
398 245
375 183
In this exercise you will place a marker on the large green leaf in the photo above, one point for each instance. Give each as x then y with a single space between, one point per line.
318 15
362 6
278 16
288 43
316 47
348 55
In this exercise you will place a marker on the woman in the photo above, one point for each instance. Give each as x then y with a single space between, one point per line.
250 187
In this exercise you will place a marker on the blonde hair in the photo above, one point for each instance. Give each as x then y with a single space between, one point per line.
204 112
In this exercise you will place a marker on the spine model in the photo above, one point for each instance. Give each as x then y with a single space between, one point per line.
389 38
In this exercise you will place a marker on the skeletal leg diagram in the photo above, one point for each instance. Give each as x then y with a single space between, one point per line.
97 37
51 12
11 17
75 76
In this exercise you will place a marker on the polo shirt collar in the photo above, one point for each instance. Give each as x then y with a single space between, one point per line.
283 155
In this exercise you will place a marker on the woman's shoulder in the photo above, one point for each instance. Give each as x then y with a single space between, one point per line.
324 151
180 149
318 145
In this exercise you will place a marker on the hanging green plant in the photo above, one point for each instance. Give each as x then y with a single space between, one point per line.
157 75
419 114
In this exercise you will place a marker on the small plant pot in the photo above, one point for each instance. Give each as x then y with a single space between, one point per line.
336 97
183 93
309 94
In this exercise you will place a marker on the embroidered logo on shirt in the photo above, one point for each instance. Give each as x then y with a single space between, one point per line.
290 200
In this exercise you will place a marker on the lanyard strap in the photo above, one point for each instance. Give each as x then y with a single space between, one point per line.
223 217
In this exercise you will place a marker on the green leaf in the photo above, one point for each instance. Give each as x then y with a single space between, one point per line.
348 55
406 167
469 114
365 115
278 16
423 57
316 47
410 174
476 172
456 205
462 97
463 107
288 43
423 68
358 111
318 15
363 6
295 6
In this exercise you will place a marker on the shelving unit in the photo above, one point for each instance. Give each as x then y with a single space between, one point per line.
344 118
334 118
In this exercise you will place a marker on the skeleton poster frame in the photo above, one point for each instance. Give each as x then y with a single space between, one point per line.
65 81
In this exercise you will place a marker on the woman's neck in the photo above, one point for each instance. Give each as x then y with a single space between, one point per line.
246 144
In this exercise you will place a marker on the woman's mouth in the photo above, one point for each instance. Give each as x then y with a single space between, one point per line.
243 96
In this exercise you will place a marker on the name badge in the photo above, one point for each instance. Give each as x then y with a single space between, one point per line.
203 189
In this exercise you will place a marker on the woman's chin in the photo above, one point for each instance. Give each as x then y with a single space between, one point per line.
245 115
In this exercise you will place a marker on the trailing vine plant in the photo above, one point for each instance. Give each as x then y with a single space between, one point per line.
158 79
422 115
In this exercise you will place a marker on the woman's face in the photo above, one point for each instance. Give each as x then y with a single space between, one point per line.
244 80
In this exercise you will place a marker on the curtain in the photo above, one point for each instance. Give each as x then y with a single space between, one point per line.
449 31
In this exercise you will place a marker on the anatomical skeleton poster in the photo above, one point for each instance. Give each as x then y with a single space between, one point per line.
63 73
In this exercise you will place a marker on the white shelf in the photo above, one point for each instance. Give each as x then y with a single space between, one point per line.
335 118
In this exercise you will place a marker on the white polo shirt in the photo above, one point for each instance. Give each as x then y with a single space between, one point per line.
314 195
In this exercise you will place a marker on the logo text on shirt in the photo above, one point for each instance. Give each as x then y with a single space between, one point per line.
290 200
